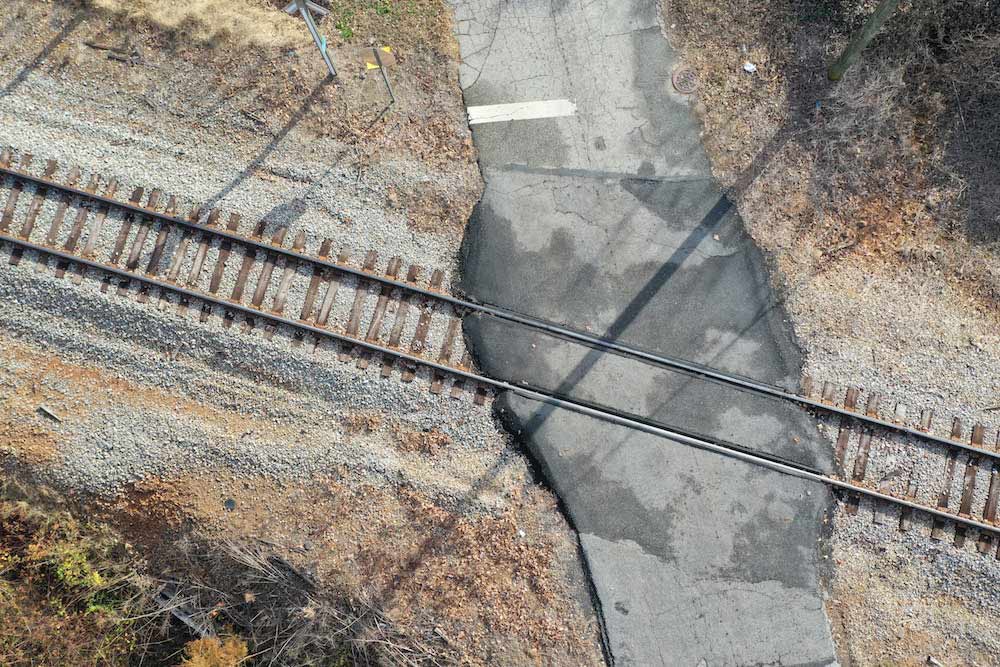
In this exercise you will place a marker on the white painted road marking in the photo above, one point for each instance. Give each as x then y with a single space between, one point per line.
496 113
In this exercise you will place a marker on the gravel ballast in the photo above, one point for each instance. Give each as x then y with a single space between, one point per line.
153 417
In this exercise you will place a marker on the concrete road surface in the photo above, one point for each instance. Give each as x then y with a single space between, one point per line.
600 212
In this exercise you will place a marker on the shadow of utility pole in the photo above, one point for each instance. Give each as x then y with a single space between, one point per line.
52 45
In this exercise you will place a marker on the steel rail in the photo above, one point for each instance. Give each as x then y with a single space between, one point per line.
610 415
665 361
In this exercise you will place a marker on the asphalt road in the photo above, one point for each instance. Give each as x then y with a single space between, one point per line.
609 220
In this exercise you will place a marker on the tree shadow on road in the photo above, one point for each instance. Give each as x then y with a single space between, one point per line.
813 90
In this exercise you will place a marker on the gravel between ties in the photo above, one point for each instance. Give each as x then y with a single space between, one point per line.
312 394
320 186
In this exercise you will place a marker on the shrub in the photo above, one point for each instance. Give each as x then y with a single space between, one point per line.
215 652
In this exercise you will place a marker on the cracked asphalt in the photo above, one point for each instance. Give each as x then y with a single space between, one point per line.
610 221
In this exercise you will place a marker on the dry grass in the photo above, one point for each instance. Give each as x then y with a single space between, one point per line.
491 589
75 594
215 652
284 617
898 160
497 568
428 207
70 593
234 22
405 24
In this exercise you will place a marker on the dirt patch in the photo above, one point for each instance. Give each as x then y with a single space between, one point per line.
489 584
29 443
362 422
428 207
72 392
34 407
234 22
430 442
880 602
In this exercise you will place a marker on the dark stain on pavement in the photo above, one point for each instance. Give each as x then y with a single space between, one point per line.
490 254
586 493
762 541
522 141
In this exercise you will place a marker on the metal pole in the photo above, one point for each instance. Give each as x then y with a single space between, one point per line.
385 77
304 8
320 42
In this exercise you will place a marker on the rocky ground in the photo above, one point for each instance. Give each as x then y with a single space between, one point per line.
875 201
166 427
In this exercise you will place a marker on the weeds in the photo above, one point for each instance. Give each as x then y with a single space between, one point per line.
346 13
287 618
215 652
70 593
344 28
896 158
73 594
396 22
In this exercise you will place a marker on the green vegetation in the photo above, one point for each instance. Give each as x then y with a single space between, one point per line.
73 593
69 594
365 18
344 27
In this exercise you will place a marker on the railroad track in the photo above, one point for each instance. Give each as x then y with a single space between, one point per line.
196 265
